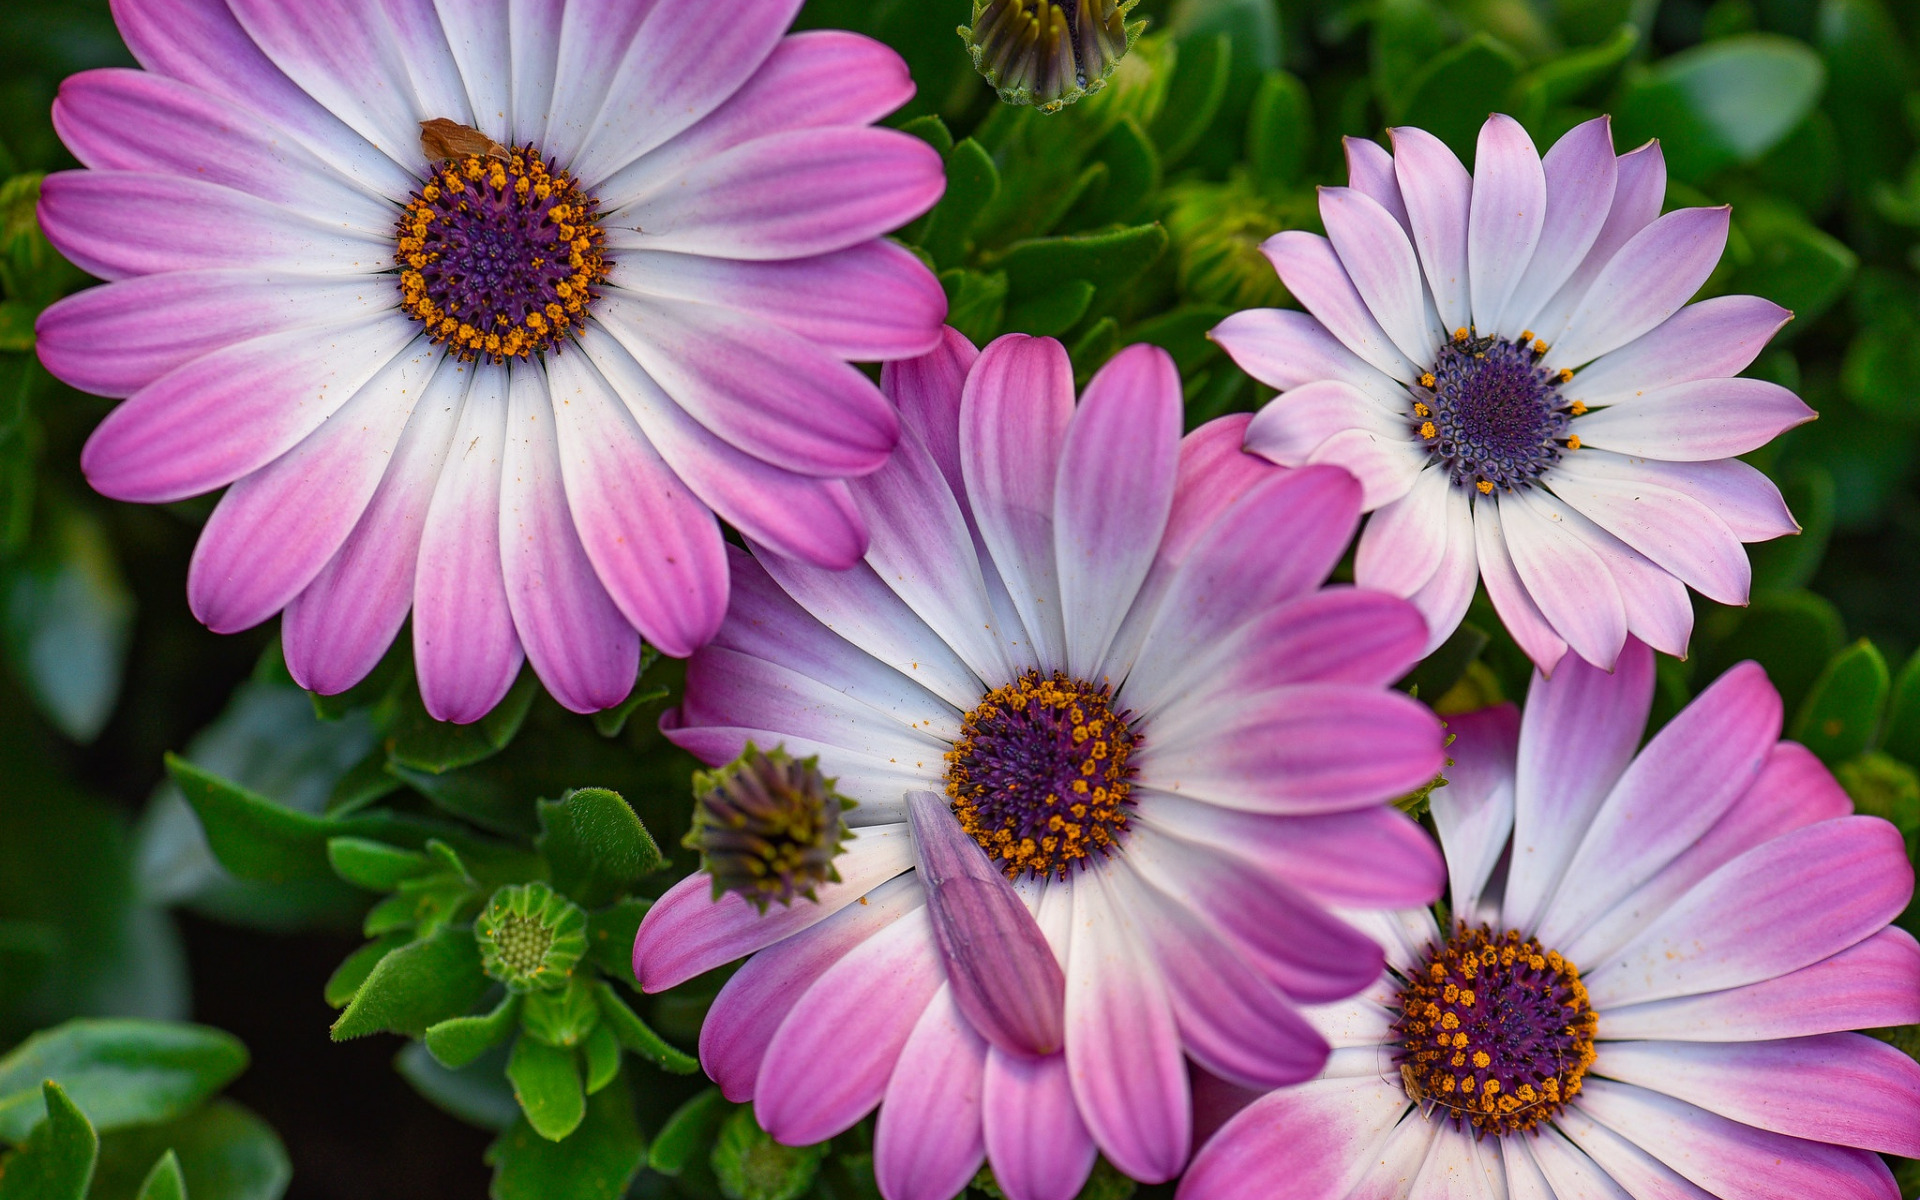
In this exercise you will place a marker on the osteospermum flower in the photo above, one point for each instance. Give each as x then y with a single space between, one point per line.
1504 360
1648 987
485 310
1115 750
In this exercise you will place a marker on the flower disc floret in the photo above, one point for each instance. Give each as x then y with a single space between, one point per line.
1494 1030
768 826
499 255
1040 775
531 937
1490 414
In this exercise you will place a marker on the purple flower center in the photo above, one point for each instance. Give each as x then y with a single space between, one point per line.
1495 1031
499 255
1039 776
1491 414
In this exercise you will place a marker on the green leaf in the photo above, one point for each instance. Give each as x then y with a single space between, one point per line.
477 1093
1570 77
1842 713
1133 175
16 325
752 1166
1451 96
1050 312
1182 332
1106 260
1721 103
1883 786
1435 675
354 969
436 747
1881 371
546 1082
562 1016
931 130
602 1052
164 1182
1795 265
596 1163
1786 563
365 782
1095 347
418 985
225 1152
975 302
636 1037
1868 75
1280 130
1791 634
688 1133
1199 84
119 1071
495 801
596 845
69 621
972 183
373 865
56 1160
457 1041
610 935
1902 735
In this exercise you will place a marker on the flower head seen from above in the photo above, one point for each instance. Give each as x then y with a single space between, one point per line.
1508 362
1117 753
485 311
1650 989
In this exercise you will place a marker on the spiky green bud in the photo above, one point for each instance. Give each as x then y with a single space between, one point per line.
1049 53
531 937
767 826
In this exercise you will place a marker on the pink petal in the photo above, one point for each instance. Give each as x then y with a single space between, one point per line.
1565 577
1706 419
1123 1047
1504 220
1112 494
1439 195
1320 1137
1443 599
221 416
870 301
1581 730
1314 274
788 195
928 391
1658 610
688 932
465 651
1670 527
589 43
1370 171
336 631
1580 176
1746 500
743 1018
1385 466
1714 339
1843 1088
830 1061
1516 608
653 545
1292 426
1039 1146
1640 188
928 1143
1285 350
1474 812
1404 542
276 527
1373 248
1658 270
584 650
1872 984
1631 1170
116 339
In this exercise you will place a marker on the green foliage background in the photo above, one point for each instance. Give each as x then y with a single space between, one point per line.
1134 215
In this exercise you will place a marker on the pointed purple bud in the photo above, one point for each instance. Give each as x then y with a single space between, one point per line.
1004 976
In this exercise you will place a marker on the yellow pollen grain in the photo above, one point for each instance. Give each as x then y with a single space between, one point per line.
1485 486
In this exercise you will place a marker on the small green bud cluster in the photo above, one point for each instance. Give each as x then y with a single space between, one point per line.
530 937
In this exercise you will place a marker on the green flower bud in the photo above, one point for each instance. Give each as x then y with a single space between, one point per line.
749 1165
1049 53
561 1016
1217 229
767 826
530 937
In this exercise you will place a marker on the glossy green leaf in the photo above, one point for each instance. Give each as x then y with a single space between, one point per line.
415 986
225 1152
1182 332
1451 96
120 1072
55 1162
972 183
1132 175
595 844
1791 634
1868 73
1881 370
68 622
1279 130
689 1133
419 742
1571 76
373 865
636 1037
1722 103
457 1041
596 1163
1842 712
1051 312
931 130
546 1082
752 1166
165 1181
1795 265
610 935
1193 97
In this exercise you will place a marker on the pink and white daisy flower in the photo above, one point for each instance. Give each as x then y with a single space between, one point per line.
1106 654
1649 991
485 309
1504 360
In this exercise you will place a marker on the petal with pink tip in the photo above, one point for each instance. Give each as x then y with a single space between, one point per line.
1370 171
1580 172
1504 220
1658 270
1443 599
1681 534
1689 422
1516 608
1565 577
1714 339
1285 349
1738 494
1292 426
1039 1146
1313 272
1640 189
1404 542
1439 195
1636 1171
1474 812
1383 267
1321 1138
928 1143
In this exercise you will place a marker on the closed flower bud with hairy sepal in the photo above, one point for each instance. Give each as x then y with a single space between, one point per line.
767 826
1049 53
531 937
1217 230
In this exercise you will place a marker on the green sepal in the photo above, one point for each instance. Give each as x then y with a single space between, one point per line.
354 969
595 844
636 1037
561 1016
602 1052
417 985
373 865
164 1182
611 933
689 1132
597 1163
457 1041
56 1160
120 1071
546 1083
750 1165
1842 712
